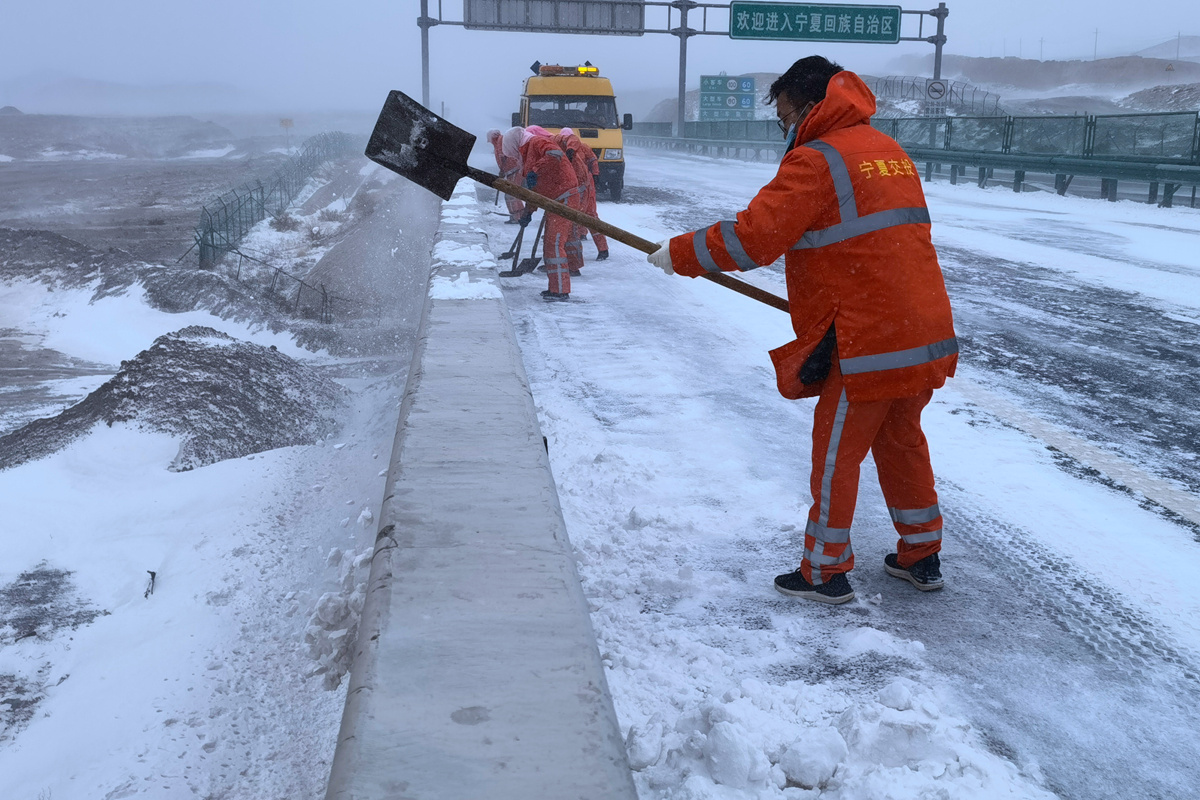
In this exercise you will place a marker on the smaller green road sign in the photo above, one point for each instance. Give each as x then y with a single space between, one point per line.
796 22
726 84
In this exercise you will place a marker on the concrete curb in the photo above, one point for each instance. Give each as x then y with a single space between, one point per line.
476 672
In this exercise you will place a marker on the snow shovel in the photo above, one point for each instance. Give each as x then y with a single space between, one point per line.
526 264
530 264
516 245
412 141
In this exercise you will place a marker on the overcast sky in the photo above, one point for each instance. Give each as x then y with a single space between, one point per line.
295 56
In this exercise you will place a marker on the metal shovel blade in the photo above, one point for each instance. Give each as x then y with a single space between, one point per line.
412 141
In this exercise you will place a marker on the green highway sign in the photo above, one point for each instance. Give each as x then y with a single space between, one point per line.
726 97
730 84
803 22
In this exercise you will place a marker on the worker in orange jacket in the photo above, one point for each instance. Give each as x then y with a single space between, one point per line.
573 146
509 169
874 331
547 171
585 157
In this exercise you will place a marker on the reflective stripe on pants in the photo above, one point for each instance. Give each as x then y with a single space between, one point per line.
843 433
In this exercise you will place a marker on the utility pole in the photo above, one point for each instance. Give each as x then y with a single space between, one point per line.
683 32
941 12
1096 45
425 22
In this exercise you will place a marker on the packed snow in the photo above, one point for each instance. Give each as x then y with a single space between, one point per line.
683 478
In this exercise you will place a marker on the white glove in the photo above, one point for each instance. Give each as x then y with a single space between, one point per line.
661 257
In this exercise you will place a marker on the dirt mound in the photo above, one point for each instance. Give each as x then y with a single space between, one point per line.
51 258
1166 98
221 397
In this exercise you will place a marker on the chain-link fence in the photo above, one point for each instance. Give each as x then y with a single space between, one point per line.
289 292
962 97
1164 137
1150 138
1060 136
225 220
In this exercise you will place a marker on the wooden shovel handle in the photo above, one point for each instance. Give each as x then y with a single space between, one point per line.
625 237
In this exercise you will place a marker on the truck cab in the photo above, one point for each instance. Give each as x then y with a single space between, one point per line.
558 97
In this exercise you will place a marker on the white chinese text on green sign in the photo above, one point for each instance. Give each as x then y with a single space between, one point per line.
814 23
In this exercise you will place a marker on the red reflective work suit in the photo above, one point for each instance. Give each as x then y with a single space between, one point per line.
587 157
509 167
874 331
542 156
571 144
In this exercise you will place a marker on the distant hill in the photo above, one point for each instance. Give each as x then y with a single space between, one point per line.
54 93
1130 73
1183 48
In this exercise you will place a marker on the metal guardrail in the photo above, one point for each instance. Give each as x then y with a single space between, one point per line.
1155 148
225 220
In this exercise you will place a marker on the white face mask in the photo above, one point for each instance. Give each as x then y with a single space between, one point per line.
791 137
790 140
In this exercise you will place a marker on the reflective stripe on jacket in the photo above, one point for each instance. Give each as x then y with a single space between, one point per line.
847 211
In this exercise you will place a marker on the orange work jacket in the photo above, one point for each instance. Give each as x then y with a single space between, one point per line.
579 161
555 175
847 209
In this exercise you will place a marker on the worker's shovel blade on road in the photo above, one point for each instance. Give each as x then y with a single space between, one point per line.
411 140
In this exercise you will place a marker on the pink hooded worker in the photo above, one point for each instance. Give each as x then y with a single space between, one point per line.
510 169
548 172
587 166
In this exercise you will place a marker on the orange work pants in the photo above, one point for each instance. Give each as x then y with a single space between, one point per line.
843 433
562 249
598 239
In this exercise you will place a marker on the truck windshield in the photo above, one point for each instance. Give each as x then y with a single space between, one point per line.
564 111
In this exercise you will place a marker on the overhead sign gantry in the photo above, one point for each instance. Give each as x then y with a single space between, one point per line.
761 21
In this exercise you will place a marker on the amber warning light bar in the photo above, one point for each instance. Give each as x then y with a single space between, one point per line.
554 69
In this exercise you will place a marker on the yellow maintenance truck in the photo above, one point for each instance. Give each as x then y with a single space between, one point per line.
559 97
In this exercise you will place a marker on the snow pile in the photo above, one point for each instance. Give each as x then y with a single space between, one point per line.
220 397
809 741
454 253
329 637
462 248
462 288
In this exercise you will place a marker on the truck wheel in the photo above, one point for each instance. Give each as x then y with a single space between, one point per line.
614 189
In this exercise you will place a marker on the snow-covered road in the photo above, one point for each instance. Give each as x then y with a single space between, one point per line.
1066 640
